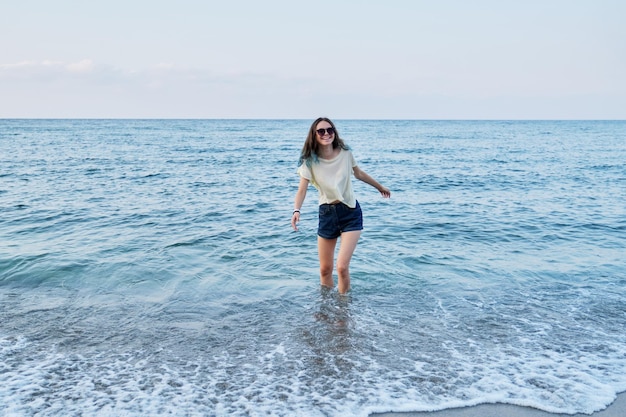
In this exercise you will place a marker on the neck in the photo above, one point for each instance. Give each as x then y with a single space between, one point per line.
326 151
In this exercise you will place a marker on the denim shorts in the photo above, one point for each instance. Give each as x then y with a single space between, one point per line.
338 218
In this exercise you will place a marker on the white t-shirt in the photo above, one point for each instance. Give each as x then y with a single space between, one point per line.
332 179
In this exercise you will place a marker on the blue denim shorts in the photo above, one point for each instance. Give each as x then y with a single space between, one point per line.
338 218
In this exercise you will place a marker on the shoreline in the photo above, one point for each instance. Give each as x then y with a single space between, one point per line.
616 409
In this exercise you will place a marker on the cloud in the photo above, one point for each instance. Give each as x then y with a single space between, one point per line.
86 65
85 88
44 71
27 65
88 72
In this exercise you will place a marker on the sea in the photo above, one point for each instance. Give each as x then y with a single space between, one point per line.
148 268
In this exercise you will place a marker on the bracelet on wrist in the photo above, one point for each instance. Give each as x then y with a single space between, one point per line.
295 211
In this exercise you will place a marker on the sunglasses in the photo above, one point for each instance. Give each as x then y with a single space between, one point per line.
322 132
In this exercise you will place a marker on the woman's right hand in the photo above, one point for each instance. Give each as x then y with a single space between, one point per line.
295 219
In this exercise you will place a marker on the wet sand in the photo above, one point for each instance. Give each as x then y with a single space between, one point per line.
616 409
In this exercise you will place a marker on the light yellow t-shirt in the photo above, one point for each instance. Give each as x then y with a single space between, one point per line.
332 178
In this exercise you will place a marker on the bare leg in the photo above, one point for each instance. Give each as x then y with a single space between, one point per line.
347 246
326 251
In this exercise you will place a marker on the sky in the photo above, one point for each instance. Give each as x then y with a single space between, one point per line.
345 59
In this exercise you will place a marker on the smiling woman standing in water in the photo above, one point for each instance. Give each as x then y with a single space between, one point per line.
327 163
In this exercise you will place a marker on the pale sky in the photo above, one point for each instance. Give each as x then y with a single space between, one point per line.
359 59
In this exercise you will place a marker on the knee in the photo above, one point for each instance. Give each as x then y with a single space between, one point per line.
326 270
343 268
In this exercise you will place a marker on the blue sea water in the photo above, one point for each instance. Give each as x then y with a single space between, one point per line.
147 267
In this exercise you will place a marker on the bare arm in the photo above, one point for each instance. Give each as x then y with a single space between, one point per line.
363 176
300 195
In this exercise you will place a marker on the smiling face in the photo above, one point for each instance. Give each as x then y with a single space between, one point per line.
324 133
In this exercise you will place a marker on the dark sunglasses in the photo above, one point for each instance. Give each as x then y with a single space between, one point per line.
322 132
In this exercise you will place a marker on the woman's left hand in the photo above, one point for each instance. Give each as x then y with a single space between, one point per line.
384 191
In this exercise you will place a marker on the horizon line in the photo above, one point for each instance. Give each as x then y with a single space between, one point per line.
334 118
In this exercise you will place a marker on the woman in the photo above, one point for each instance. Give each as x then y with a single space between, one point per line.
327 162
